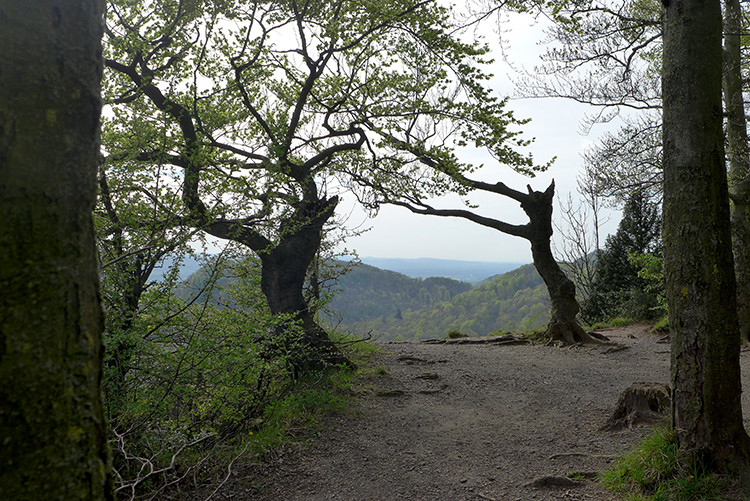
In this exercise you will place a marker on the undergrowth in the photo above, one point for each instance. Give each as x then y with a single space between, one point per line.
662 325
658 471
613 322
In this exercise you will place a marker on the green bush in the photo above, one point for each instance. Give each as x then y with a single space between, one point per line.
199 379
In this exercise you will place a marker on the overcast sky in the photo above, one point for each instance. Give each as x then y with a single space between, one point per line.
555 124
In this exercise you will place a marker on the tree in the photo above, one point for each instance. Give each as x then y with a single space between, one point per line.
698 266
617 288
264 113
626 161
579 230
51 420
563 325
601 53
618 42
738 152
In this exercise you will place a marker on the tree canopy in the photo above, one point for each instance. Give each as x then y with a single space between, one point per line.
262 114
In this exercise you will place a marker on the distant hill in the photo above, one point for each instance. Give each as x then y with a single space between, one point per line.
367 293
391 305
465 271
516 300
189 265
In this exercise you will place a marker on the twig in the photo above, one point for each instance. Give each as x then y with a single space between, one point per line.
229 472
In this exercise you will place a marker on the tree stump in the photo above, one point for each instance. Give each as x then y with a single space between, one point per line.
640 403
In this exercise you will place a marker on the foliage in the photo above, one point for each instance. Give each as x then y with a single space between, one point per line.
658 471
618 288
456 334
662 325
613 322
298 408
209 379
651 271
258 115
603 53
627 159
252 107
199 374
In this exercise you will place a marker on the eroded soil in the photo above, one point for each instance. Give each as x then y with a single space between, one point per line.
470 422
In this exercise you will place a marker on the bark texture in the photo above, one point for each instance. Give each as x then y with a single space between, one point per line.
284 267
51 421
699 268
738 154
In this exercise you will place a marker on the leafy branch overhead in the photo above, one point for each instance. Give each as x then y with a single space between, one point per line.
261 105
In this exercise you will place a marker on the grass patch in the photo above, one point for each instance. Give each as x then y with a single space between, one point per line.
300 410
613 322
297 413
662 325
658 471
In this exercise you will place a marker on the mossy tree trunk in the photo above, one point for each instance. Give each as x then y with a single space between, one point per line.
52 426
738 153
699 268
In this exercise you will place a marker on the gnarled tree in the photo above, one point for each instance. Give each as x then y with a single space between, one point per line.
563 325
445 168
264 113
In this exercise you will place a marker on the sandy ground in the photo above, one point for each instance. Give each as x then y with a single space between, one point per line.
470 422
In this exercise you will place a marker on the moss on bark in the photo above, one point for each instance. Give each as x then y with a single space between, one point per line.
51 422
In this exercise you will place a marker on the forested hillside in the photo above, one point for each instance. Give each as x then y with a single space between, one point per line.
367 293
391 306
472 272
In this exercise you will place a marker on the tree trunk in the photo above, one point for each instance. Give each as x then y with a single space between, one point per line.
52 428
699 269
284 267
739 161
563 326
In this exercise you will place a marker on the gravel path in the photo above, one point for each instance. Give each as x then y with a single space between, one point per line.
470 422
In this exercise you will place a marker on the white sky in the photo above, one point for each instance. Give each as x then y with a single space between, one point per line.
555 124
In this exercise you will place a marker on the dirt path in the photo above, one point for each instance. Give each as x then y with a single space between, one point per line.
470 422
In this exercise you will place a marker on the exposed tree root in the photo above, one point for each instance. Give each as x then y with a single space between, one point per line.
566 333
504 340
553 481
